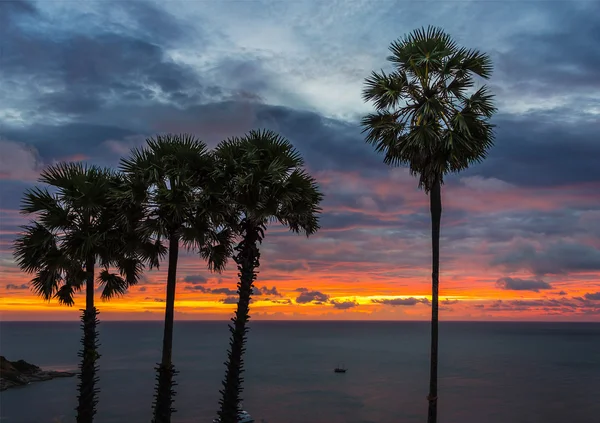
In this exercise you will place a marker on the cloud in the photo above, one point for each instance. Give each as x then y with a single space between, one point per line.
315 297
226 291
266 291
198 288
516 284
567 306
19 161
195 279
12 286
143 289
401 301
230 300
156 300
107 78
216 291
593 297
557 258
478 183
344 305
283 301
289 265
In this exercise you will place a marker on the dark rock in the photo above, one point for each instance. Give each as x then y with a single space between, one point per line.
20 373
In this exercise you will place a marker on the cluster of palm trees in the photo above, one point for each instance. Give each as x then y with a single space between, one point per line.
98 225
174 191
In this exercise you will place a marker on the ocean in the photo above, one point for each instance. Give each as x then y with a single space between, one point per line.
489 372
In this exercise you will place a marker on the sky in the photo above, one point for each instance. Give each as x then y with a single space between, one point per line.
520 239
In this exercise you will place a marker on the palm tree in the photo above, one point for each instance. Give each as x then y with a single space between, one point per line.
429 117
167 179
263 176
76 230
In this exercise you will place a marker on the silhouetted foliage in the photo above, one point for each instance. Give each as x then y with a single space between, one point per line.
170 179
263 177
427 119
78 227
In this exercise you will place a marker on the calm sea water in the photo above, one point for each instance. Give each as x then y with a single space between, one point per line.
489 372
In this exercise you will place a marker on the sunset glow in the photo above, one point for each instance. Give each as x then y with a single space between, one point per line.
520 237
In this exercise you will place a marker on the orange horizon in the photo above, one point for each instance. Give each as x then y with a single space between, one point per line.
367 269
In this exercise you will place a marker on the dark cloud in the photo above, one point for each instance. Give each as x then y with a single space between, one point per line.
508 225
198 288
344 305
215 291
266 291
195 279
225 291
557 258
592 296
561 293
576 305
570 46
285 301
88 71
156 300
17 287
538 149
11 11
11 193
288 266
449 302
516 284
143 289
401 301
230 300
312 297
301 289
57 141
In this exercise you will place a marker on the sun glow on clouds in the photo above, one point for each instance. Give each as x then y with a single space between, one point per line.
520 232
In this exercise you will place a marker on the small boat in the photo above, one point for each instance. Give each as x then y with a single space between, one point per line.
340 369
243 417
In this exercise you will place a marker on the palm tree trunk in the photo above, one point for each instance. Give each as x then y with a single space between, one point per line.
88 393
435 199
163 399
247 259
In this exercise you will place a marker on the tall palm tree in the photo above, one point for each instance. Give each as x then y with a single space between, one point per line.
77 230
429 117
167 178
263 176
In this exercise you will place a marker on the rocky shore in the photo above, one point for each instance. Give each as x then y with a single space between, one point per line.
20 373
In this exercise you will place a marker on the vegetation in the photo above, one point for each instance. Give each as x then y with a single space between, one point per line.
263 177
92 225
78 228
168 179
427 118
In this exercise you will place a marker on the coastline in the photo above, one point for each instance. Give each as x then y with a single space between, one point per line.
14 374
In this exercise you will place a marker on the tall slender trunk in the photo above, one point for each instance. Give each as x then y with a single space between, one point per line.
88 393
435 199
247 259
163 399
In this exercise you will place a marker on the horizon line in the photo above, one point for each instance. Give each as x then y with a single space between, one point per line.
307 321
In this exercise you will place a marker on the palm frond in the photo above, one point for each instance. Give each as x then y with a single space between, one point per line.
113 285
385 90
430 124
217 248
47 282
33 246
65 295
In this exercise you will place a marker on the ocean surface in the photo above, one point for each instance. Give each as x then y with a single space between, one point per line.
489 372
